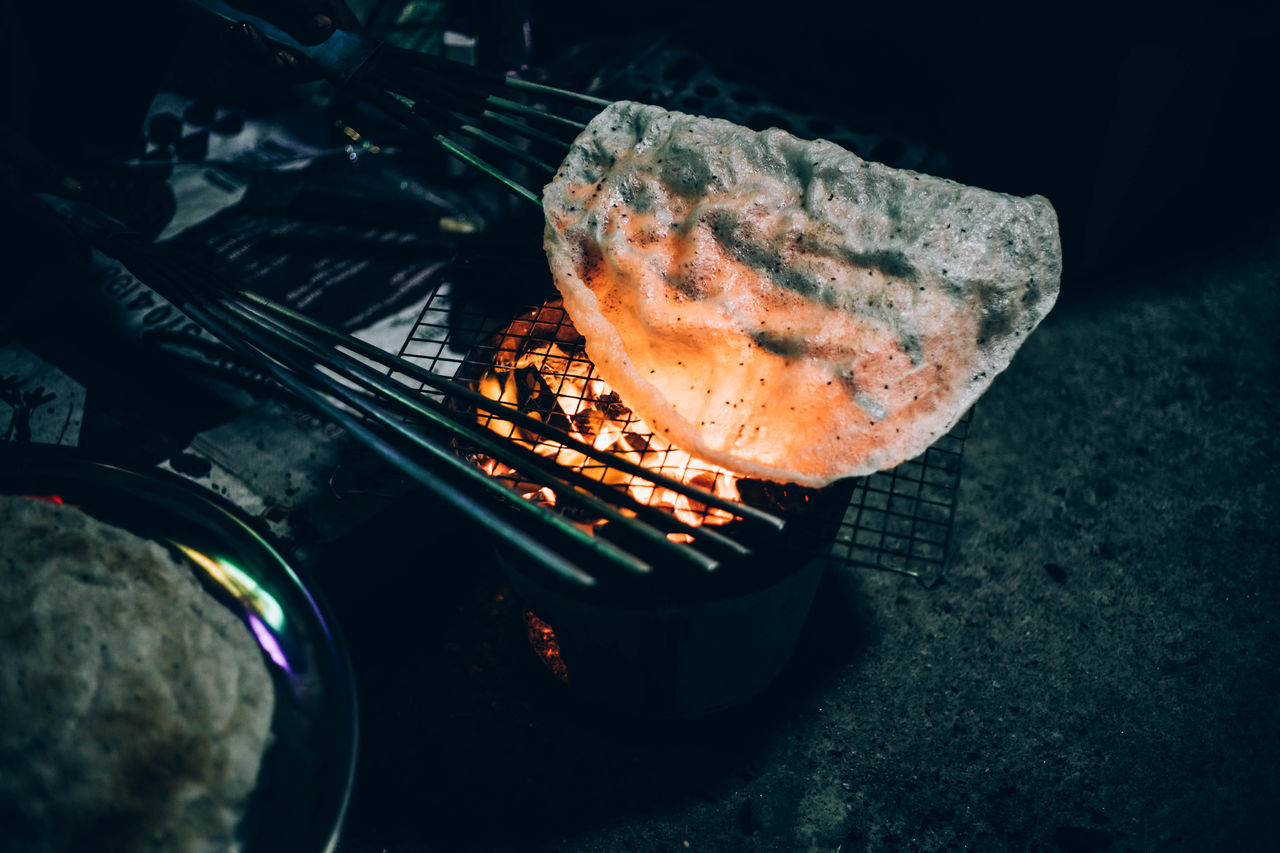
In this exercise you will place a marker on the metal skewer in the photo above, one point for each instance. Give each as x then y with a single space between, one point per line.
331 372
547 431
447 103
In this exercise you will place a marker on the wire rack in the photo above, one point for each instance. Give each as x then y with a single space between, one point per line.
898 520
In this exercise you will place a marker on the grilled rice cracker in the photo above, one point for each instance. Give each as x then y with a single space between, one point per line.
782 307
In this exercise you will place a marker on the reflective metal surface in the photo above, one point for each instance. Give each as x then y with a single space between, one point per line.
307 773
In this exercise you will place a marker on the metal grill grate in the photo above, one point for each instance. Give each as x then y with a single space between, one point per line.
898 520
447 337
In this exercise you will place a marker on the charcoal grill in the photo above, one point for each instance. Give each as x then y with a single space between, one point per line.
675 643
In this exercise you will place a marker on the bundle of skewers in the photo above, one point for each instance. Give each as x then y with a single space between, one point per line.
479 116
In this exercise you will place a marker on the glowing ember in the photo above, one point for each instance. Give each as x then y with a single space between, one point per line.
52 499
543 640
541 369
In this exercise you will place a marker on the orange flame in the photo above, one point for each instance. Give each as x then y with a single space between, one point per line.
542 637
541 369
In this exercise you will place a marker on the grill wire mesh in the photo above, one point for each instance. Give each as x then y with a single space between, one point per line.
897 520
900 520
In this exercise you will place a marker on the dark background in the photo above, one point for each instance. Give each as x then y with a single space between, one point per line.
1146 126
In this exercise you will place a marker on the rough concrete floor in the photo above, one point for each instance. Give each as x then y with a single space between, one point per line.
1099 670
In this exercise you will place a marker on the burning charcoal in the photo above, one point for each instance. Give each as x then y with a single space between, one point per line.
587 422
613 407
539 367
537 398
